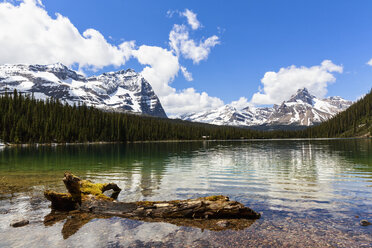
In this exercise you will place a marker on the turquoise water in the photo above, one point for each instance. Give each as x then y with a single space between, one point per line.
310 193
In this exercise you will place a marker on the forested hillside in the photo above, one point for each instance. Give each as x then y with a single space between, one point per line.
356 121
24 119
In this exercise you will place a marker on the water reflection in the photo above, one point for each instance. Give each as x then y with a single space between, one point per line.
73 221
317 182
274 169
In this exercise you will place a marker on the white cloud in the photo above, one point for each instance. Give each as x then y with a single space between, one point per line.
279 86
369 62
188 101
170 13
191 19
181 44
360 97
163 66
241 103
30 35
186 74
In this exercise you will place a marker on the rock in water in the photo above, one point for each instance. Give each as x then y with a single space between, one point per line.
20 223
223 223
365 223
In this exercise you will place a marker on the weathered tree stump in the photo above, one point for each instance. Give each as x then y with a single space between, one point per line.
88 197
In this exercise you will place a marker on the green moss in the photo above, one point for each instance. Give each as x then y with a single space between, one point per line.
52 194
89 188
145 203
214 198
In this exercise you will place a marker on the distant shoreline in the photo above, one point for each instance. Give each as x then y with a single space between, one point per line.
171 141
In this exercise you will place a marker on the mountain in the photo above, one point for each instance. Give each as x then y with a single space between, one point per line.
356 121
228 115
305 109
302 109
121 91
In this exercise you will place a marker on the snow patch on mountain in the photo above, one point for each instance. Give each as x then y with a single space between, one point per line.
123 91
302 109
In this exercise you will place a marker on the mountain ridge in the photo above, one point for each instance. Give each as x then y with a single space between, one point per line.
120 91
302 109
356 121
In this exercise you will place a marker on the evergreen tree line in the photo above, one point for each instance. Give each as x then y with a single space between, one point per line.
23 119
347 123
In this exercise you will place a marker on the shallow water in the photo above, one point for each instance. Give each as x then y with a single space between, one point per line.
310 193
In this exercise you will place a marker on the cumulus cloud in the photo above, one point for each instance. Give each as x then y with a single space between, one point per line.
241 103
162 67
191 19
182 44
279 86
30 35
188 101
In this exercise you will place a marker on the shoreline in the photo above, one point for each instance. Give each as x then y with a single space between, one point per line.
6 145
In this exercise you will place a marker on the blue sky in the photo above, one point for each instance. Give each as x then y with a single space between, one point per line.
253 38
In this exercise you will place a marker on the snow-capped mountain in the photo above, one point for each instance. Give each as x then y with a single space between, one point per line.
228 115
122 91
302 109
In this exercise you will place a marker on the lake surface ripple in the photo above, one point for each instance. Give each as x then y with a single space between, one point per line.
311 193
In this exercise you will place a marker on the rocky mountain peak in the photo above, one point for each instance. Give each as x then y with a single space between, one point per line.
246 109
127 72
302 109
123 91
302 95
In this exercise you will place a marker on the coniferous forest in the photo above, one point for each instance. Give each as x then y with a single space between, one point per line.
23 119
27 120
355 121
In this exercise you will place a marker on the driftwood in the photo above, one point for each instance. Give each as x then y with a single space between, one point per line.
85 200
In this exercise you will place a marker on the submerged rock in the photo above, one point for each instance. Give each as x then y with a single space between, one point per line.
4 211
223 223
20 223
365 223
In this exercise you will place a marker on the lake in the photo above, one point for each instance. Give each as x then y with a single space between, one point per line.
311 193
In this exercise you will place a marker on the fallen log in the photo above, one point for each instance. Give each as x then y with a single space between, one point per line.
88 197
